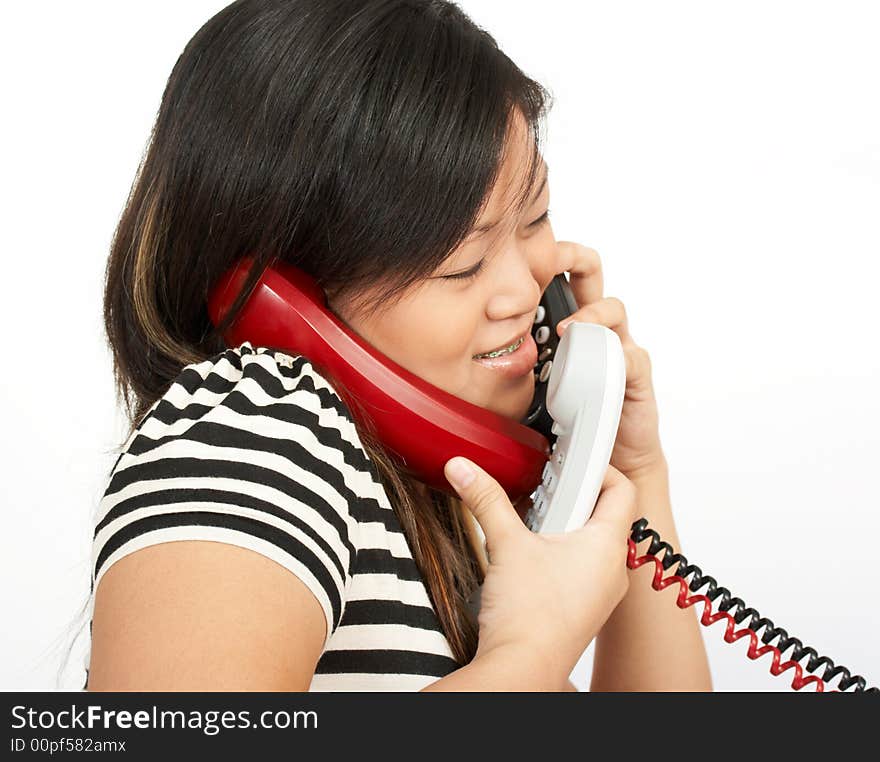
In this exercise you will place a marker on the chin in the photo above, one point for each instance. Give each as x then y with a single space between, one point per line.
517 402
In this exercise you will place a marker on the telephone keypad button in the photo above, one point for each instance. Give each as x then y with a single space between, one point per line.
559 458
542 334
545 353
535 514
539 313
545 370
557 428
541 506
548 478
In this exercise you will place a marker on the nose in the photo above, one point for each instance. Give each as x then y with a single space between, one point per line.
523 277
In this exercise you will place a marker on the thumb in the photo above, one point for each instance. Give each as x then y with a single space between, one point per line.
485 498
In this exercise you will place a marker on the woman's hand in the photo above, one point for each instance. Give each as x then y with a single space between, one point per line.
546 596
637 448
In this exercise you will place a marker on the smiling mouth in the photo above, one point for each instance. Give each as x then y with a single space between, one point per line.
509 349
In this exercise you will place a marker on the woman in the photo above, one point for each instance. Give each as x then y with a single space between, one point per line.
251 536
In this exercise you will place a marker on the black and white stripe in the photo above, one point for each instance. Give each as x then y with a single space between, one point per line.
253 447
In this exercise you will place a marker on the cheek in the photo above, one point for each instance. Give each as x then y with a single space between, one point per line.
435 341
445 336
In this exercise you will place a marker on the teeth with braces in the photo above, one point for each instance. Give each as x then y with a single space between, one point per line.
504 351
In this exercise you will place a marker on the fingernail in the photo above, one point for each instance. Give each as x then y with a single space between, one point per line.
563 323
460 473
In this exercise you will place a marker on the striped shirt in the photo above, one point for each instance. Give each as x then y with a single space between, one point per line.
254 447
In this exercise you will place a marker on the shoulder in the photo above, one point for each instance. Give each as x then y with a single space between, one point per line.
251 406
257 389
252 447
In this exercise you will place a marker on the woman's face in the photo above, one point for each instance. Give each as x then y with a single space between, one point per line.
439 325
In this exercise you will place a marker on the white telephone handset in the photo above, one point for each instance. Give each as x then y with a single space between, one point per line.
585 398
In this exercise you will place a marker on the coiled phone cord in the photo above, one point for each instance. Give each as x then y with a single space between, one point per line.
641 532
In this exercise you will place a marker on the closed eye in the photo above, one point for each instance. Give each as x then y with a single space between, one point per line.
474 271
541 220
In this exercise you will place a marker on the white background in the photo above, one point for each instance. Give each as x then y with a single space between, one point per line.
724 159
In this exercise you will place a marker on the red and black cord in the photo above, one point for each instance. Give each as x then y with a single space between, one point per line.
734 610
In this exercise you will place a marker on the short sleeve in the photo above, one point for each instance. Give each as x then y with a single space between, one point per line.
251 447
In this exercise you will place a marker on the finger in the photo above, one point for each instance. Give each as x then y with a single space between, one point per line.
585 271
611 313
485 498
608 311
639 382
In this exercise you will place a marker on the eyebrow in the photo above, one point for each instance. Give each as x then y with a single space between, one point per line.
490 225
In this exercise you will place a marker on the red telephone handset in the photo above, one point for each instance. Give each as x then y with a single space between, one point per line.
419 423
